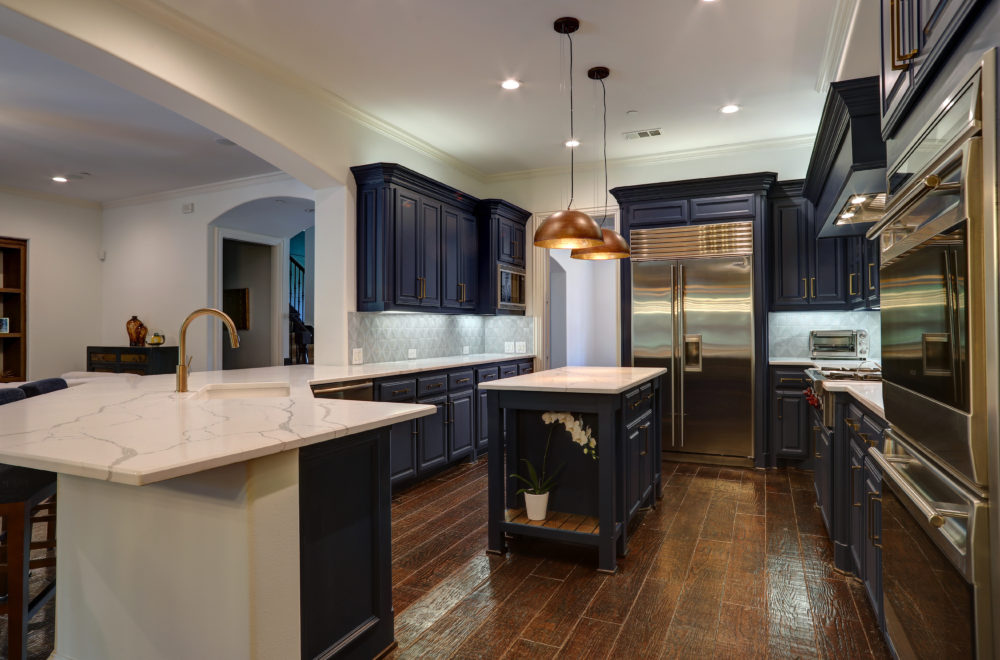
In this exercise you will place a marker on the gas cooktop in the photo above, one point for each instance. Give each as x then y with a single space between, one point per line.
865 373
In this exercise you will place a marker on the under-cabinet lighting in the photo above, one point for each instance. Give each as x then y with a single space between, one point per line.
859 199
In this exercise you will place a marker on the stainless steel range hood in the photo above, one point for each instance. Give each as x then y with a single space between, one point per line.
846 176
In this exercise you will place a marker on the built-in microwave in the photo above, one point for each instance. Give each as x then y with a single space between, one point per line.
510 288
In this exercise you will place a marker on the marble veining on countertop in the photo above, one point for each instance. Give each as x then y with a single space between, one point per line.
137 430
811 362
583 380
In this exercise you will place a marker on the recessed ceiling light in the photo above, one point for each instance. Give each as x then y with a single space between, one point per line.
729 109
859 199
510 83
573 143
60 179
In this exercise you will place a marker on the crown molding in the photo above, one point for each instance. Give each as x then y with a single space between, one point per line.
836 43
684 155
208 38
50 197
220 186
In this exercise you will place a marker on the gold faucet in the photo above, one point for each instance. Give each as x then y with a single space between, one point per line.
185 362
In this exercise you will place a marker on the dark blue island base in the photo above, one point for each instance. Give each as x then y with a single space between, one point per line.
593 499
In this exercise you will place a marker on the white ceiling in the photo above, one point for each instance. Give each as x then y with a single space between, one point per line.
56 119
433 68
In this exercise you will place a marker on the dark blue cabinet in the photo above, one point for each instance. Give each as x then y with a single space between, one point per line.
822 439
855 504
856 295
916 34
460 263
461 425
789 421
403 451
420 245
432 432
872 513
639 468
872 260
808 273
502 236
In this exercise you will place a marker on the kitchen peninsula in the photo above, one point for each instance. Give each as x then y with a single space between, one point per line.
593 500
186 519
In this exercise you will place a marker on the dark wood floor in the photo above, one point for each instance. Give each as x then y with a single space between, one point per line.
733 563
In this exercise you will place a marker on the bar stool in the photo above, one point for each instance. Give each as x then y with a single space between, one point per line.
44 386
27 499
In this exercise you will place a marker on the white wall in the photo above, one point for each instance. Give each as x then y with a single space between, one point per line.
309 292
591 300
64 279
158 258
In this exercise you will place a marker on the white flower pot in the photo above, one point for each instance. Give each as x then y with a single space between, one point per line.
536 505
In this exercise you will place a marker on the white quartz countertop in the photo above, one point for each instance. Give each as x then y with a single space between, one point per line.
583 380
322 374
137 430
867 393
809 362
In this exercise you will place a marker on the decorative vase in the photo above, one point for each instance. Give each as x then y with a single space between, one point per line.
156 339
136 332
536 506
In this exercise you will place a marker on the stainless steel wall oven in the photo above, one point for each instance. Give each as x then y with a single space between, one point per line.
938 242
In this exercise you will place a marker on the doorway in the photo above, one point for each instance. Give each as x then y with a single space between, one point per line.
246 298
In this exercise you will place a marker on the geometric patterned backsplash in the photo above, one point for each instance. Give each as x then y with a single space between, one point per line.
387 337
788 332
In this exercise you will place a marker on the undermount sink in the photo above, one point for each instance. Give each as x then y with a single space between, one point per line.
241 391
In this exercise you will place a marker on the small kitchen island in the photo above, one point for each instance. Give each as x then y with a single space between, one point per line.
594 497
243 519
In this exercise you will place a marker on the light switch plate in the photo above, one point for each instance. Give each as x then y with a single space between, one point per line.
508 347
465 350
521 347
358 356
411 353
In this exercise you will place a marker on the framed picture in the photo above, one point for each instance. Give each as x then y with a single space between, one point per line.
4 325
236 303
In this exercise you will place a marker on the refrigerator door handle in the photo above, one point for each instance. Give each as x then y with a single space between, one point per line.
680 328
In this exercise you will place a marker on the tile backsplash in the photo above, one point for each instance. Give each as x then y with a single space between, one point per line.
388 337
788 332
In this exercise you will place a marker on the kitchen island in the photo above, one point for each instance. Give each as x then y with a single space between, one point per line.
595 496
243 519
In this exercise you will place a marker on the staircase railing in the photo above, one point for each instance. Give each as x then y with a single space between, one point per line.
296 285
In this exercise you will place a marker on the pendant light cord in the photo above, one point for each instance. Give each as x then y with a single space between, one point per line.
572 135
604 97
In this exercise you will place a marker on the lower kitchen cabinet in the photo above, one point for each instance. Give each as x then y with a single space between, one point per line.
789 414
432 435
461 432
823 463
639 457
856 513
403 451
872 511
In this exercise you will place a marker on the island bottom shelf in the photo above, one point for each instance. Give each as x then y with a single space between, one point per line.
571 527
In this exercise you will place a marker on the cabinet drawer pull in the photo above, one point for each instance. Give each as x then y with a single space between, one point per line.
871 278
635 404
872 536
645 432
649 396
850 285
435 386
867 439
791 380
402 391
854 467
462 380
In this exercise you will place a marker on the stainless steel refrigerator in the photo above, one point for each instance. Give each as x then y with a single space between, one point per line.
692 313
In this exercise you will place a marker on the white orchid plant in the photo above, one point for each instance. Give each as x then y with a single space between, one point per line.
539 483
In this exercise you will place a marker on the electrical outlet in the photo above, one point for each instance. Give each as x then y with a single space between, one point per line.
411 353
508 347
521 347
465 350
357 356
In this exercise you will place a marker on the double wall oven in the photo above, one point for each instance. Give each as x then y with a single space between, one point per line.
939 365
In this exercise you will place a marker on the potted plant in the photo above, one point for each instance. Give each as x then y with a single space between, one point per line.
538 484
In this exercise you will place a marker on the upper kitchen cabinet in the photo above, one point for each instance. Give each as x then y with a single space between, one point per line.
915 36
502 235
417 242
808 272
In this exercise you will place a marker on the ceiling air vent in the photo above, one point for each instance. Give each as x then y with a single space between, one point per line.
644 133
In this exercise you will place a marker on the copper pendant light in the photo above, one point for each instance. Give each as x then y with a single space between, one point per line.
613 245
568 229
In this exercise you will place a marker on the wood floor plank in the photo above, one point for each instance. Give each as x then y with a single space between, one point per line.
753 493
645 630
701 597
424 494
448 631
616 594
591 638
553 623
746 578
686 642
742 632
450 560
801 479
839 634
719 520
663 515
433 525
866 615
403 597
524 649
776 481
807 515
790 625
502 626
731 474
420 520
817 557
428 550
